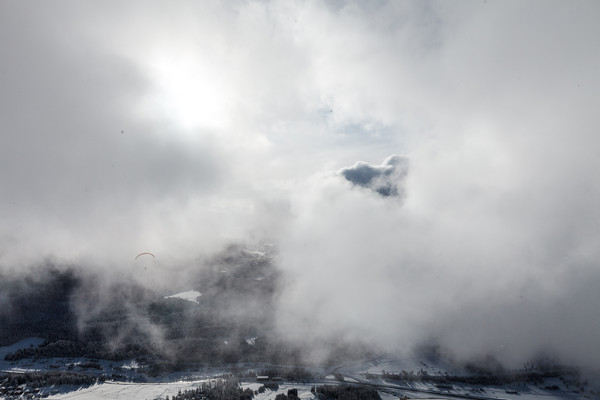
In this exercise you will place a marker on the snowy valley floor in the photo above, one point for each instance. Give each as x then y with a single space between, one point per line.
133 384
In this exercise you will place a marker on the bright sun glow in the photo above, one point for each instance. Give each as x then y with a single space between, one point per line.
191 93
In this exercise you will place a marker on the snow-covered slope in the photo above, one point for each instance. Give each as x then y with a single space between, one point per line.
22 344
190 295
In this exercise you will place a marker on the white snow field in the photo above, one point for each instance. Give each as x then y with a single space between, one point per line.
131 391
127 390
141 391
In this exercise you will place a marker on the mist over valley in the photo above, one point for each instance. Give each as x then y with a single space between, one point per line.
371 198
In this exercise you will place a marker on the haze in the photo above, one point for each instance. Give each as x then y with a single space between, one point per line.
426 171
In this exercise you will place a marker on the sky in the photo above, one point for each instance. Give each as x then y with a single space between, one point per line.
426 170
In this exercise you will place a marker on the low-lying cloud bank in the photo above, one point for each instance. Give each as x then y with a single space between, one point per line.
475 278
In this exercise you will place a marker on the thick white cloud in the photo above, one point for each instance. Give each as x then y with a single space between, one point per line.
145 126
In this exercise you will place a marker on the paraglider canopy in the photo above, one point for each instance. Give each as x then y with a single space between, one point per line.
141 254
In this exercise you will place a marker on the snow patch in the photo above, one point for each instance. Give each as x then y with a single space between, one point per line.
131 366
190 295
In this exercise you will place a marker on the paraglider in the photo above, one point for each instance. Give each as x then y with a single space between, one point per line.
141 254
145 253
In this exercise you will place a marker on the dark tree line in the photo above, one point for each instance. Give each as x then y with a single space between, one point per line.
77 348
496 379
229 389
49 378
345 392
290 374
221 389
